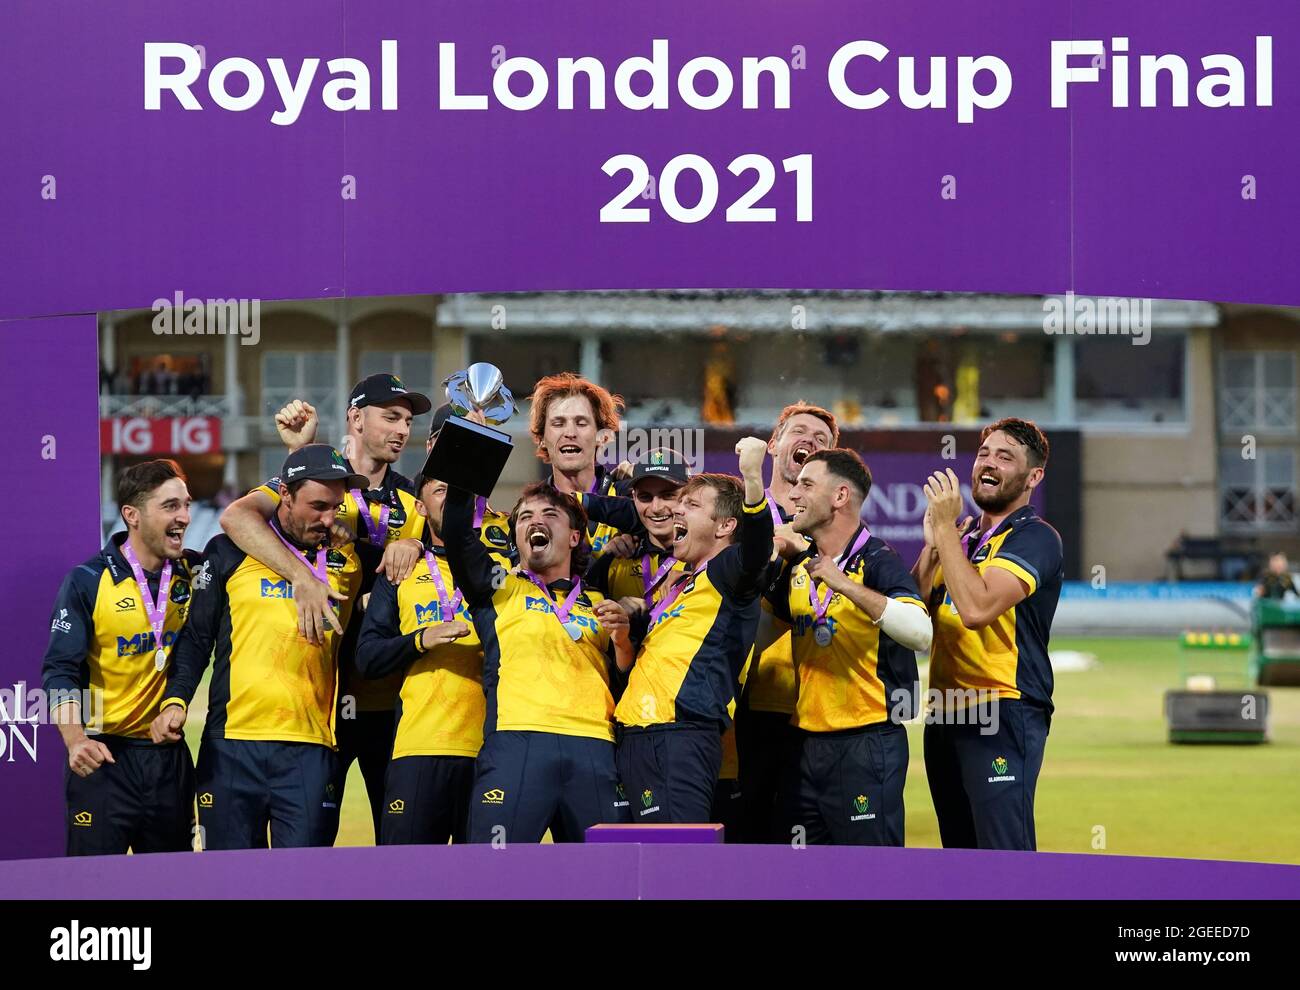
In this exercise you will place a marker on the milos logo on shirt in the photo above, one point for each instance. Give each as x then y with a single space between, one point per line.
77 944
276 589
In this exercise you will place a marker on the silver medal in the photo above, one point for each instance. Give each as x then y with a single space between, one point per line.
822 634
160 659
574 630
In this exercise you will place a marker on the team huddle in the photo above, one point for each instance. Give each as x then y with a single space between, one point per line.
648 645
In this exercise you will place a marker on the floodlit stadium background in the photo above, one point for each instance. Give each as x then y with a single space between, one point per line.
1162 428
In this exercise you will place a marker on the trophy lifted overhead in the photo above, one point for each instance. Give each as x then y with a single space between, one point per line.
466 454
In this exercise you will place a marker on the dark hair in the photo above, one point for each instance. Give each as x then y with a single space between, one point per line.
548 493
846 465
1026 433
728 493
802 408
418 483
139 481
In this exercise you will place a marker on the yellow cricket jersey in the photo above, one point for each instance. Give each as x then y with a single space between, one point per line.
861 677
775 686
1008 657
690 662
395 493
101 641
441 707
267 682
625 577
536 677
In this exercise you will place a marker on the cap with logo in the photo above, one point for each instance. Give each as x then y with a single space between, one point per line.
379 390
320 462
662 462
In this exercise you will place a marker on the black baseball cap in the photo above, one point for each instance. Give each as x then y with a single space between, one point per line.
662 462
320 462
440 416
379 390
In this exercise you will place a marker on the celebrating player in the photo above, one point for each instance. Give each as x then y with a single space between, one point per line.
701 629
656 482
767 703
114 625
857 621
422 627
380 509
547 759
994 594
571 419
268 752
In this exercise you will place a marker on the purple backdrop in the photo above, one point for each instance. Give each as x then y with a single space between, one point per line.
50 370
225 204
217 203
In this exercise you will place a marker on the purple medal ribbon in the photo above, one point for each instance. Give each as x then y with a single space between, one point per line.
480 510
820 605
320 568
155 610
446 607
561 612
772 507
965 542
666 602
378 533
650 582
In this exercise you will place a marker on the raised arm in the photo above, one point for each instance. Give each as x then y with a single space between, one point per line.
472 567
756 525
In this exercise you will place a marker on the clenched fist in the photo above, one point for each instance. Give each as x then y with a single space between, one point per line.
297 423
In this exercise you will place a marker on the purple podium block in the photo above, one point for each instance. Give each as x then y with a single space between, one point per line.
639 870
674 834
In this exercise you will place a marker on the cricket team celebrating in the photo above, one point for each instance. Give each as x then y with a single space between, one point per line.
645 646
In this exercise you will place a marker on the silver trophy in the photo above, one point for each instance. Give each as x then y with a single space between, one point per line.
467 454
480 388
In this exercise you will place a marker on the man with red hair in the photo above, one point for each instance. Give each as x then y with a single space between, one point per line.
571 419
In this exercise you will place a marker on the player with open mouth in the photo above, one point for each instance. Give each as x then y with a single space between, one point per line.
549 643
571 420
114 626
766 705
680 693
993 594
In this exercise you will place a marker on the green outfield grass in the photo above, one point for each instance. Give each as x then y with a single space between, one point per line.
1108 764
